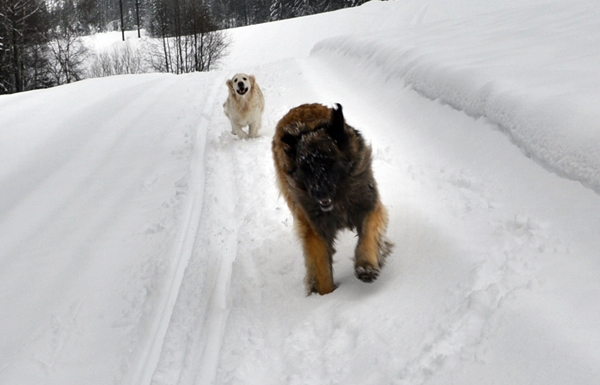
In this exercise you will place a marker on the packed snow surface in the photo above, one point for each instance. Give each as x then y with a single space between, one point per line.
142 243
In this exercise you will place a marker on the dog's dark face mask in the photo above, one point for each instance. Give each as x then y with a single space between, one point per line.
320 163
320 171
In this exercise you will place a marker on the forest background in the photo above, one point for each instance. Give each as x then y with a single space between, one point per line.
42 42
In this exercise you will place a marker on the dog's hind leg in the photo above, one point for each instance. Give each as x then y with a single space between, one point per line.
317 257
373 246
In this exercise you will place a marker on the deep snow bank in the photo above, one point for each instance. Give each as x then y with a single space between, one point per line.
533 70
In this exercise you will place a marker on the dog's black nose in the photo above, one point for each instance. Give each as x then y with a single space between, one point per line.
321 195
240 84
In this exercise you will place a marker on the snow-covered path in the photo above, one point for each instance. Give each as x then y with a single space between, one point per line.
142 243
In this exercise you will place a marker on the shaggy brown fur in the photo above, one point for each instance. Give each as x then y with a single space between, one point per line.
323 169
244 105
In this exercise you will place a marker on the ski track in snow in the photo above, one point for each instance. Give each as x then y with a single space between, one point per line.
186 243
240 200
191 351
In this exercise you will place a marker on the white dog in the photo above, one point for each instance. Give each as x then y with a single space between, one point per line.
244 105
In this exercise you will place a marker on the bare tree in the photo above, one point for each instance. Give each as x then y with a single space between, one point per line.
122 59
68 52
189 37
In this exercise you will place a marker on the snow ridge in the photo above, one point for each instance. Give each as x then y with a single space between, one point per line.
544 105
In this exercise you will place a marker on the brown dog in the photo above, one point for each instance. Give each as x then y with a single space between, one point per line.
323 169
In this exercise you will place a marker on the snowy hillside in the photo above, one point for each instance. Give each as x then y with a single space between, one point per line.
141 243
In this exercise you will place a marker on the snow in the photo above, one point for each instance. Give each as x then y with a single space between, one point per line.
142 243
498 66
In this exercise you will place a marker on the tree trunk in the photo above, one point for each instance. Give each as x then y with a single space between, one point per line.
16 61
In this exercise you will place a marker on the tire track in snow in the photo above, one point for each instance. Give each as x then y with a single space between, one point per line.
186 240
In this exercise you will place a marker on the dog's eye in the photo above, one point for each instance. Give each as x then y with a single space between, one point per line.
244 79
235 80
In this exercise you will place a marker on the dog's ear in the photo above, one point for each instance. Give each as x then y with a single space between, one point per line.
290 142
252 79
229 83
337 127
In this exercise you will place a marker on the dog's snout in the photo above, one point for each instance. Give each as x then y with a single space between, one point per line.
318 192
240 84
321 192
325 202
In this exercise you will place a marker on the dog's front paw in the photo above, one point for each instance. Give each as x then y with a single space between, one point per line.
366 273
240 134
313 287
